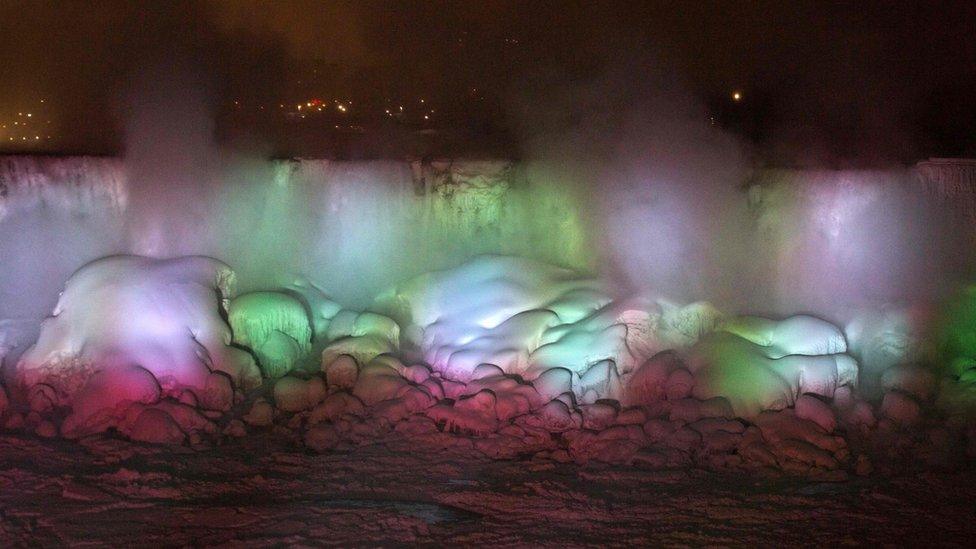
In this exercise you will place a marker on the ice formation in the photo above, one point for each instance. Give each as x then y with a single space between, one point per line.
508 356
275 326
129 329
761 364
517 314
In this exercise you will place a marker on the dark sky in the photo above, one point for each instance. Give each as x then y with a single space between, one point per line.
832 79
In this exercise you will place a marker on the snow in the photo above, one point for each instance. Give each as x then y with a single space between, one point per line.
760 364
522 316
275 326
129 329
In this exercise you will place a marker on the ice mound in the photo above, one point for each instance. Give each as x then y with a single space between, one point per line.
760 364
520 315
363 336
130 329
274 325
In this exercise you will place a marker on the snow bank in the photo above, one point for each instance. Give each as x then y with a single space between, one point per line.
275 326
133 329
761 364
521 315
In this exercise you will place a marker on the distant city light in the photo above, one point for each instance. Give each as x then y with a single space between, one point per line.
736 96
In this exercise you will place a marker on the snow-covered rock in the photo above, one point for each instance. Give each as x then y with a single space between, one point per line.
900 408
122 312
261 414
516 314
881 340
796 335
649 382
341 372
157 427
104 397
812 408
759 364
275 326
363 336
293 394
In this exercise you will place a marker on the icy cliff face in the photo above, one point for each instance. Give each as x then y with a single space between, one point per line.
56 214
837 241
353 228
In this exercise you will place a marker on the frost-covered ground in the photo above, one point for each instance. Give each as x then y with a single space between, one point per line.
265 491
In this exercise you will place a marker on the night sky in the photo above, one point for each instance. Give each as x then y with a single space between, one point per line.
848 82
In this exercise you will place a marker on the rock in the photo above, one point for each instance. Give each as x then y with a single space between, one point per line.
860 413
342 372
473 414
554 417
261 414
709 426
418 373
46 429
757 454
157 427
599 415
679 384
14 421
911 379
900 408
235 428
189 419
482 402
376 384
862 466
292 394
683 439
691 409
812 408
321 437
4 401
632 416
94 406
843 398
658 429
41 398
218 393
335 406
647 383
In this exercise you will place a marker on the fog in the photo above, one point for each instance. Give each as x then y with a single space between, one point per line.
621 173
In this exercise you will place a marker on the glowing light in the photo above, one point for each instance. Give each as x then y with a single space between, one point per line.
736 96
29 115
